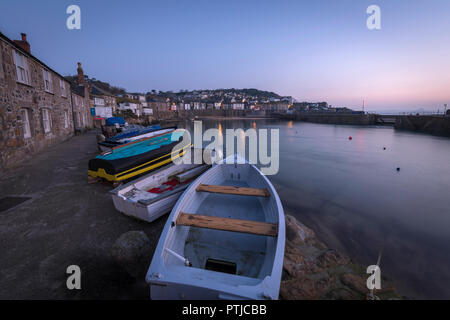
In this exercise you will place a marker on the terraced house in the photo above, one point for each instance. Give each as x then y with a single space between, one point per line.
36 108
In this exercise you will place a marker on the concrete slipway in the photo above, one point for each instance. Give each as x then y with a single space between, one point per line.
67 221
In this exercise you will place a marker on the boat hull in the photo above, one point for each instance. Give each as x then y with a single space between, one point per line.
137 158
129 168
113 142
148 213
136 198
176 291
257 259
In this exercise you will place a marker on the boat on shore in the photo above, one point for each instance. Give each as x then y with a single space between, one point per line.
224 239
138 157
131 136
149 197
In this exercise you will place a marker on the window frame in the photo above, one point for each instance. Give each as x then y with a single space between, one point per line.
47 78
62 87
79 120
66 119
22 69
46 120
25 123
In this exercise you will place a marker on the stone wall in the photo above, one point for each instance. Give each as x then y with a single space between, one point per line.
333 118
190 114
436 125
81 111
17 98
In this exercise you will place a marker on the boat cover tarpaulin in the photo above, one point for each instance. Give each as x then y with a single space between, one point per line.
128 161
135 132
113 120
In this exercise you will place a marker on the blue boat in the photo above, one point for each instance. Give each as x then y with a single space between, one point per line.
135 134
115 120
133 159
135 130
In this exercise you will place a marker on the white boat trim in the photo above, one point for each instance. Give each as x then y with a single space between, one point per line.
172 281
151 208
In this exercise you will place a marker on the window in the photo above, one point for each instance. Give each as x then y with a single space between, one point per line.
46 120
78 120
62 86
47 80
23 75
66 119
26 124
99 102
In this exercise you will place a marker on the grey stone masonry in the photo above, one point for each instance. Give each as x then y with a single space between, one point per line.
35 105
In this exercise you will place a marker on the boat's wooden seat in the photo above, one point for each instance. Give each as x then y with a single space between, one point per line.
228 224
233 190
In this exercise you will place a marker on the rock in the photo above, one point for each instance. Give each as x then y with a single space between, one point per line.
131 251
331 259
100 137
342 294
387 286
296 231
307 287
293 261
355 282
11 143
298 289
313 271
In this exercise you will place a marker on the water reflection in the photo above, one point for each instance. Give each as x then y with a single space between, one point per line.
350 193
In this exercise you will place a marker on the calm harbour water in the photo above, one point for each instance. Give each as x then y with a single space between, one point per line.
350 193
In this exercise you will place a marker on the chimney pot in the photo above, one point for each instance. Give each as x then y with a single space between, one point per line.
80 74
23 43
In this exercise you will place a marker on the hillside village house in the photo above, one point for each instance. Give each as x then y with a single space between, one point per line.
35 103
109 102
81 117
141 98
158 103
134 107
238 106
98 102
81 102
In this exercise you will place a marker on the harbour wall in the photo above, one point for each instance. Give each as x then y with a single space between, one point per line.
331 118
435 125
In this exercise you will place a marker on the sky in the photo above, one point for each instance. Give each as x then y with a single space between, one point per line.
311 50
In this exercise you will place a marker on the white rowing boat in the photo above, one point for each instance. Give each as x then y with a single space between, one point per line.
153 195
224 239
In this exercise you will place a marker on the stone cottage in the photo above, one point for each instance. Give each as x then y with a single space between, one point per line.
82 116
36 110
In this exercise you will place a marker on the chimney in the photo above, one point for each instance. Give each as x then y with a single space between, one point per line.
80 75
23 43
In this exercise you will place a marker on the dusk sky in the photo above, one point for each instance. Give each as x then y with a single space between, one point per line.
312 50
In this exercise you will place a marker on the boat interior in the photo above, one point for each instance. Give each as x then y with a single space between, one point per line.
164 180
226 230
159 183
